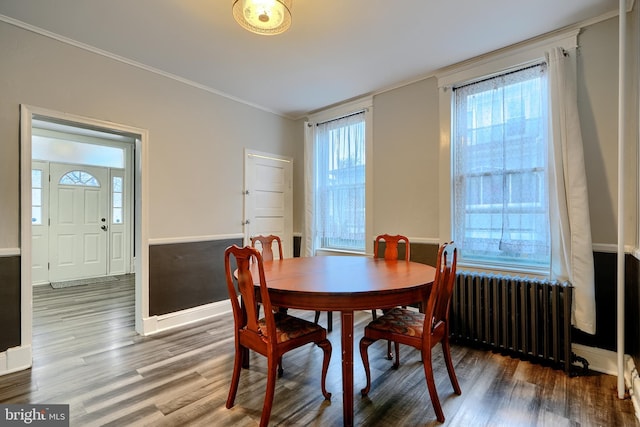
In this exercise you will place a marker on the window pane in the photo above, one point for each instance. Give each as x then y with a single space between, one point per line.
79 178
65 151
117 215
117 200
36 197
117 184
36 178
500 188
36 215
340 162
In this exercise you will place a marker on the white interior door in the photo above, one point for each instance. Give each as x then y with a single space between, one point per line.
79 225
269 198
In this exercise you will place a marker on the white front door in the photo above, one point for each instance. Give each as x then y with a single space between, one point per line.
269 198
79 225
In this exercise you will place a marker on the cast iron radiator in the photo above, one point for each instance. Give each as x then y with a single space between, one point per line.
527 318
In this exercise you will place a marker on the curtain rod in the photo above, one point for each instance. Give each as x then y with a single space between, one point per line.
341 117
538 64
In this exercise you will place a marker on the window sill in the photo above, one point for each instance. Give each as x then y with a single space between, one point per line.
344 252
496 268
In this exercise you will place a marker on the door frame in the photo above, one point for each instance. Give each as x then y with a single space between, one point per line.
141 209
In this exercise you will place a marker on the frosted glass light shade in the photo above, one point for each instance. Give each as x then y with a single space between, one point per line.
267 17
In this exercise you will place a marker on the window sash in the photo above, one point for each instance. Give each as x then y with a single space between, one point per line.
341 183
500 169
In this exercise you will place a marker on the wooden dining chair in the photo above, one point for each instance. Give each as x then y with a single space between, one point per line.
420 330
391 252
266 246
271 336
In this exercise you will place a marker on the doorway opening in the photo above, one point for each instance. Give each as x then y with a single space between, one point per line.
82 204
90 218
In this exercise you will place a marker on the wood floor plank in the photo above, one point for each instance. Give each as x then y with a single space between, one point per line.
87 354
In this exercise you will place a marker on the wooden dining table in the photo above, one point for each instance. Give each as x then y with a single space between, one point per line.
346 284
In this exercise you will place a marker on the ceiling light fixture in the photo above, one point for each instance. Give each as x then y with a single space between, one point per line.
268 17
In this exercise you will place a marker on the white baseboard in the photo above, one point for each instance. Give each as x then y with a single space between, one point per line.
155 324
15 359
632 381
606 361
600 360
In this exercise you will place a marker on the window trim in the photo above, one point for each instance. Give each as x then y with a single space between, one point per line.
491 64
363 104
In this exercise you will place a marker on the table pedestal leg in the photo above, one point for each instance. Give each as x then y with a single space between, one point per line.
347 367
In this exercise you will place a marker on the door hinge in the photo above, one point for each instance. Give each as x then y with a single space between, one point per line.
245 192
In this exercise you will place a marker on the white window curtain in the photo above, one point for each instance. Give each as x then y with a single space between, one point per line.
571 246
335 184
309 245
500 187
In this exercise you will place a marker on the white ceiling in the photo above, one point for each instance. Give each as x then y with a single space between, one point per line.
335 50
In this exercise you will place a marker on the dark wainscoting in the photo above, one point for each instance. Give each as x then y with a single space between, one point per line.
425 253
187 275
10 302
632 308
605 266
297 245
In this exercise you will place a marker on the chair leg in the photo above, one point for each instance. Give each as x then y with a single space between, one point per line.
280 369
431 385
397 364
374 314
270 391
446 349
389 351
364 345
235 377
329 320
326 348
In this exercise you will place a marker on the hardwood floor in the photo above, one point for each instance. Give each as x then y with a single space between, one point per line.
86 354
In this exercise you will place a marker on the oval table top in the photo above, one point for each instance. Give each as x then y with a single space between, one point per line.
345 282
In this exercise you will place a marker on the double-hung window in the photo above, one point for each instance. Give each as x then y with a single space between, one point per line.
500 184
340 183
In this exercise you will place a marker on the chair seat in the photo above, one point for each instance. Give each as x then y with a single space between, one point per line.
289 327
400 321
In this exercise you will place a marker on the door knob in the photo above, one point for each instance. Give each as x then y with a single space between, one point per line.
104 227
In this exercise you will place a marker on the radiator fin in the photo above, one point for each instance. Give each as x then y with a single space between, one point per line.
525 317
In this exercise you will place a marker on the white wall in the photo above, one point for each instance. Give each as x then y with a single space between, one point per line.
406 143
196 138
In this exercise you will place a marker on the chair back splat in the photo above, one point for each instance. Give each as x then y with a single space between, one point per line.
271 336
391 246
266 242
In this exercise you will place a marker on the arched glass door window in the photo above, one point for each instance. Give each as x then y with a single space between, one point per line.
79 178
